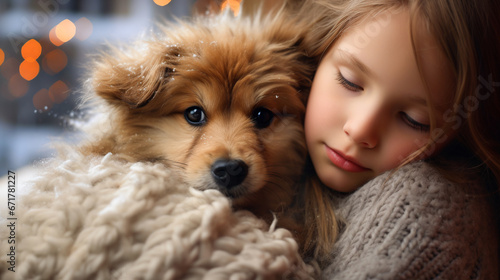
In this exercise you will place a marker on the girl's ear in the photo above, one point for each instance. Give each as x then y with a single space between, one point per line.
134 77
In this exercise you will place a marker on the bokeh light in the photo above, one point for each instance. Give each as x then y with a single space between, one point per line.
9 68
84 28
18 86
53 38
29 69
58 92
54 61
31 50
41 100
233 4
65 30
162 2
2 56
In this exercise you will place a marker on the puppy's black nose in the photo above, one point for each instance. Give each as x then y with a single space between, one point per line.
229 173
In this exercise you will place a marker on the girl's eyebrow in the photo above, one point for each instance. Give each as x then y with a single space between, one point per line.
346 56
418 100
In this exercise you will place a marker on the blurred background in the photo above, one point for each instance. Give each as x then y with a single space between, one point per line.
44 46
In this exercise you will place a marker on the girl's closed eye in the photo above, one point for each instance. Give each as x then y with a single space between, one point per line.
348 84
409 121
412 123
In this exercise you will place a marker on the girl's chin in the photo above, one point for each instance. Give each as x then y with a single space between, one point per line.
342 181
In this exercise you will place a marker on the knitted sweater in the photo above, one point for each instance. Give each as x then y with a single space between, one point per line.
415 225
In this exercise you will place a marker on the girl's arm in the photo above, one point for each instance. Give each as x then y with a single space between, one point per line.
415 225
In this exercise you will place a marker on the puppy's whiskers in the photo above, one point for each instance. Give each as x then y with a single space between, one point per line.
176 164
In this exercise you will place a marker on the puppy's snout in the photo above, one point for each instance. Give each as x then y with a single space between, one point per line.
229 173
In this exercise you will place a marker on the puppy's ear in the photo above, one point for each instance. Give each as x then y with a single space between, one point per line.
133 77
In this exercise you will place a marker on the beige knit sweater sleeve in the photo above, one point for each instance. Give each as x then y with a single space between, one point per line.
416 225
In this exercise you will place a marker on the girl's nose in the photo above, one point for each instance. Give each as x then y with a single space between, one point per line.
362 129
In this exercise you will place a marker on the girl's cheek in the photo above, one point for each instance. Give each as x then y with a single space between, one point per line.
401 148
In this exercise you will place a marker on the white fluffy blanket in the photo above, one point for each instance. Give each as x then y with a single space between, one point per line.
103 218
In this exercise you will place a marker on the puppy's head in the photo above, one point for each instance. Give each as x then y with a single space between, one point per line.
221 98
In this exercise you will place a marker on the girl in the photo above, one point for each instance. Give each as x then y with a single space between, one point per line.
410 87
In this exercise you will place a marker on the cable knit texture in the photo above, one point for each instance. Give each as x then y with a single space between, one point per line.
102 218
415 225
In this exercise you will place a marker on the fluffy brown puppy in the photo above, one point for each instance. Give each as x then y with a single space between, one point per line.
220 98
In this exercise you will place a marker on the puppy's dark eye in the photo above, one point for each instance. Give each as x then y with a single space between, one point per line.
262 117
195 116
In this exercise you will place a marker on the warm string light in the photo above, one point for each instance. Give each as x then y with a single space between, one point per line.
67 30
234 5
31 50
18 86
2 57
53 38
161 2
30 68
45 99
9 67
58 92
54 61
84 28
19 74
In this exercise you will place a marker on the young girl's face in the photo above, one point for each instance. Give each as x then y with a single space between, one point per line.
368 108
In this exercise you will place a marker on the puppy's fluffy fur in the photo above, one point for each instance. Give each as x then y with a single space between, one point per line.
220 98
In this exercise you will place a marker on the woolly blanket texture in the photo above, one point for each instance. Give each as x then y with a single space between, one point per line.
105 218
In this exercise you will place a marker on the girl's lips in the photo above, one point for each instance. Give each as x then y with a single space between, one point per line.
341 162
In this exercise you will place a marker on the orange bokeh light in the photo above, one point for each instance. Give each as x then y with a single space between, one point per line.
58 92
29 69
2 56
18 86
65 30
233 4
31 50
9 67
54 61
41 100
162 2
53 38
84 28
